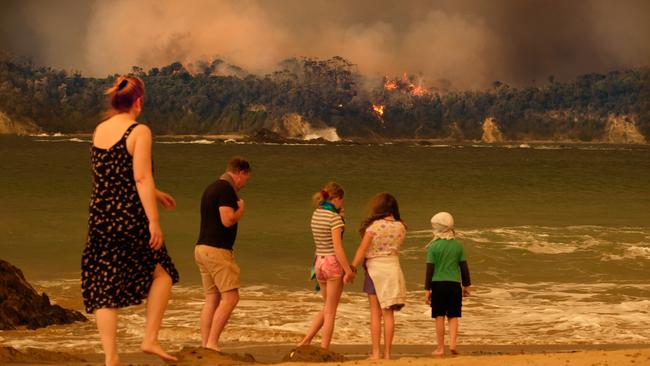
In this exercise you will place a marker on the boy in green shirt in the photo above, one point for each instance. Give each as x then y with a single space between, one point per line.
446 270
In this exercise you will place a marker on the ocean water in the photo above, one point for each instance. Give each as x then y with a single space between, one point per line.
557 237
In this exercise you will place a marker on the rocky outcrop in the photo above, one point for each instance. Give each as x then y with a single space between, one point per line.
294 126
10 127
312 354
21 305
622 130
266 135
491 132
455 133
257 108
204 356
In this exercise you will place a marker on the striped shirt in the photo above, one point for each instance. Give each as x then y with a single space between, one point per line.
322 223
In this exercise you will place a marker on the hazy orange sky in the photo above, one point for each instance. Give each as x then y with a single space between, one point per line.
470 43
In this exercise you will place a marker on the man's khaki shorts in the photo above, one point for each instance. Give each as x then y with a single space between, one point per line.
219 272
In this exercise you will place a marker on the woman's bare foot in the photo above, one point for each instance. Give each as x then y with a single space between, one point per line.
386 356
454 352
438 352
155 349
374 357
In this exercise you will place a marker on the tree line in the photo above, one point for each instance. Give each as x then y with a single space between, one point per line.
216 97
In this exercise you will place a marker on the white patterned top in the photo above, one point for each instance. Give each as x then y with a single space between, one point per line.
388 238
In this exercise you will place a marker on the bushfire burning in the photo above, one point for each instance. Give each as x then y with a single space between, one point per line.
405 85
379 109
389 84
418 90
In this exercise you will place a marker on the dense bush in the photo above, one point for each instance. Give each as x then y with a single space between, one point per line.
326 93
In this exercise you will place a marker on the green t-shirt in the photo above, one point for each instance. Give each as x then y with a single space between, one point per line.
445 256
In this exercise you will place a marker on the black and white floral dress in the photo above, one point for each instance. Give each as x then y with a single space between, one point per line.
117 264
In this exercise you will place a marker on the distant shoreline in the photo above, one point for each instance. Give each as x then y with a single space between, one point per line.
243 138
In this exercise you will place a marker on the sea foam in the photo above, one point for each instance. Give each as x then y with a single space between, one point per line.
507 313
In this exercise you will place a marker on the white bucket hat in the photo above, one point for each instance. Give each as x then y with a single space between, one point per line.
442 224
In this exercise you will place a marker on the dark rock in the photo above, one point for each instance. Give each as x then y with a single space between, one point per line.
197 356
34 355
21 305
312 354
266 135
318 140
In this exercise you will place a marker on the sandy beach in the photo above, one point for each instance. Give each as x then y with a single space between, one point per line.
411 355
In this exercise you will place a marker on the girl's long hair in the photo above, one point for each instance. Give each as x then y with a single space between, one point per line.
380 205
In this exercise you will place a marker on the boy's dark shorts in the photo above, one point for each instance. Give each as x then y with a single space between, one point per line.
446 299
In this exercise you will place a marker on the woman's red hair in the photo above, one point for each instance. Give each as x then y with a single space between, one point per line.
124 92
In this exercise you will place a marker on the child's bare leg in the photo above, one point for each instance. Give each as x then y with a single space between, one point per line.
317 323
453 334
375 325
389 330
334 290
440 336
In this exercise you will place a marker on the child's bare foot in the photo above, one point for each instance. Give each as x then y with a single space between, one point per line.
214 348
112 361
386 356
304 343
374 355
155 349
438 352
454 352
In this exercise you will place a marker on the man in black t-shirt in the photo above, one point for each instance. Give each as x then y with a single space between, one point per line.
221 210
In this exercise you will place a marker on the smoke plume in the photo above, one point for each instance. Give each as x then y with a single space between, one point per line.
470 43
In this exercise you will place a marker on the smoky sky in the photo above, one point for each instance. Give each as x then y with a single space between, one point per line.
469 43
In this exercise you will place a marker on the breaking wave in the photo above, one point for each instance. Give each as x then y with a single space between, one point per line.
608 242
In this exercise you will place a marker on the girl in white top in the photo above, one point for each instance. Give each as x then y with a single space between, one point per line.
331 265
383 233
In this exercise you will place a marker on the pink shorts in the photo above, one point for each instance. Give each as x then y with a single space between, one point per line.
328 267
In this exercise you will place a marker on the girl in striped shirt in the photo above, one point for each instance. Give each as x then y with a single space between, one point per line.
331 264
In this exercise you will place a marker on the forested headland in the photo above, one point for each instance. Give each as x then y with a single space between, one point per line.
305 95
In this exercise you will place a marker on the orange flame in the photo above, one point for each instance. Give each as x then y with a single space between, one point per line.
379 109
390 85
404 85
418 91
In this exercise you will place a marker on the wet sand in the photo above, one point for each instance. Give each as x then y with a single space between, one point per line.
406 355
